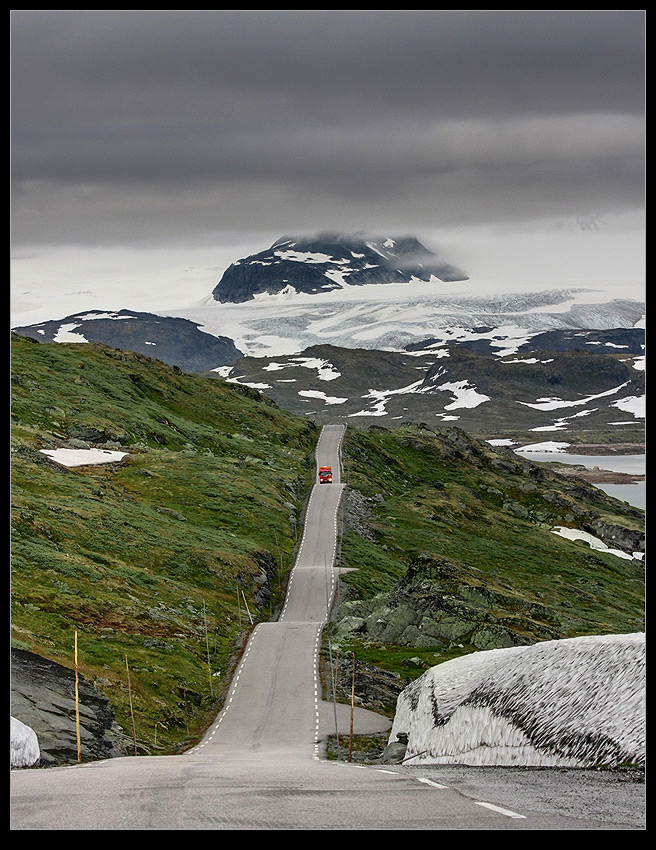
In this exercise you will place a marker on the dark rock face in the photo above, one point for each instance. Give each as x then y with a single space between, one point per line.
43 698
330 261
372 686
177 342
617 341
614 341
571 374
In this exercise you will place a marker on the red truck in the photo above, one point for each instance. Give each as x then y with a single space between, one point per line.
325 475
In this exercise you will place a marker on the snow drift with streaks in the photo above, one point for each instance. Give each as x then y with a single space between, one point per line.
578 702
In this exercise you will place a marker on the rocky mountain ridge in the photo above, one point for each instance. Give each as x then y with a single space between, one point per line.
569 391
176 341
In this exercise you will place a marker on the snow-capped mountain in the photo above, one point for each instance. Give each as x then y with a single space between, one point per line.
387 312
330 261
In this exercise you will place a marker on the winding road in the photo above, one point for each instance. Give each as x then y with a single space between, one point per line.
259 766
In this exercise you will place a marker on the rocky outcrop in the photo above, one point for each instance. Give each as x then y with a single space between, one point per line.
435 604
617 536
43 699
372 686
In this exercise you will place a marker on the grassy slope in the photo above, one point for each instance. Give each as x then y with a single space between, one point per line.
149 559
448 499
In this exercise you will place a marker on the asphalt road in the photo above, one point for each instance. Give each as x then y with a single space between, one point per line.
260 767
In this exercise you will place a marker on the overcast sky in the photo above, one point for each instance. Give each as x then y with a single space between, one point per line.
163 129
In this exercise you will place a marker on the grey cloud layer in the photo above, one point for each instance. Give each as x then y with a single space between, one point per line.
266 119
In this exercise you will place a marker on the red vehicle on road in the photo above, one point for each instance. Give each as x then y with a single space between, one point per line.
325 475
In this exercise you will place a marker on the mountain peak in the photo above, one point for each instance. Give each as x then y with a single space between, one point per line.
327 261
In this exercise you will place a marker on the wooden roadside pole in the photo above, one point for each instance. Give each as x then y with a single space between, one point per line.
77 704
352 703
134 731
207 647
247 608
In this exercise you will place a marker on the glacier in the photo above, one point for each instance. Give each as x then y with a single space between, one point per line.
578 702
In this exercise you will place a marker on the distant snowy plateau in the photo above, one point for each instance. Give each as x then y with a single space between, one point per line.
343 330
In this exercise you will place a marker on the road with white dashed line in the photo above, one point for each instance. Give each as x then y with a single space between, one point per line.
259 766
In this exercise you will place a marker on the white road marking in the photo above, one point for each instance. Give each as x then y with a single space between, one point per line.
501 811
430 782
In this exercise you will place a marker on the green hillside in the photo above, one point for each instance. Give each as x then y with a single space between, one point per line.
164 557
454 551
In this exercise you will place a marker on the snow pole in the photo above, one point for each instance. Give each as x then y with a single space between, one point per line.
134 731
207 646
352 702
77 704
247 609
332 677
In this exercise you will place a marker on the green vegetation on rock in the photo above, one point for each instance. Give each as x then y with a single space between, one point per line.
452 549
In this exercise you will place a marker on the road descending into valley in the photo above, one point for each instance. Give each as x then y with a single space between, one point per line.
259 766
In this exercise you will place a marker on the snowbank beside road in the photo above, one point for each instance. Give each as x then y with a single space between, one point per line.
23 745
573 703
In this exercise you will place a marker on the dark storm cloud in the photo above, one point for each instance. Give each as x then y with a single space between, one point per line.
136 122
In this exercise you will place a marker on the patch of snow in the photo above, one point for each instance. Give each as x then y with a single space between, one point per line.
288 292
307 257
634 405
381 397
544 447
66 334
593 542
83 457
325 370
93 315
558 403
325 398
339 277
530 360
466 396
253 385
